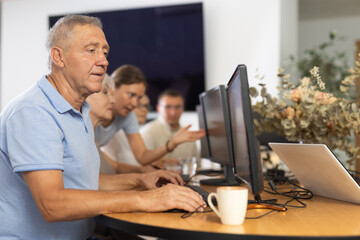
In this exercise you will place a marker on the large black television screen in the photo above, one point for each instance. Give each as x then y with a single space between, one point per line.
165 42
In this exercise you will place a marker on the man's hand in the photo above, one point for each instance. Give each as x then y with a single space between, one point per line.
169 197
160 178
184 135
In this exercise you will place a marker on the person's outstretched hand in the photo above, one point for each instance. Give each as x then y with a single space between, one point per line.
184 135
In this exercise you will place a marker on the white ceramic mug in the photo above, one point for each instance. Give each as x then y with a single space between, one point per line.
232 204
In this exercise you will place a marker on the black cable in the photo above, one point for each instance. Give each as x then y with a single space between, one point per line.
294 194
263 215
188 214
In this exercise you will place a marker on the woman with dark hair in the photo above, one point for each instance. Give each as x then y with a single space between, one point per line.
130 85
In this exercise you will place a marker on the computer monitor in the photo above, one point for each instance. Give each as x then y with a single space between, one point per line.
218 130
245 144
205 151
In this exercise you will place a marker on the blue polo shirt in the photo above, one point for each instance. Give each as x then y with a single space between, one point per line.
129 124
40 130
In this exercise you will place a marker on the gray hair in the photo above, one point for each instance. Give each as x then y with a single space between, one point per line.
108 82
61 33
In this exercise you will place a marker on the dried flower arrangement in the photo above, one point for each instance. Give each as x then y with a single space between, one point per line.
306 113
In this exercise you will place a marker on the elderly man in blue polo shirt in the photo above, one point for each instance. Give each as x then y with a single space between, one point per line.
49 165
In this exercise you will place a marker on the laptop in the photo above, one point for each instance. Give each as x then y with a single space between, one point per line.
318 169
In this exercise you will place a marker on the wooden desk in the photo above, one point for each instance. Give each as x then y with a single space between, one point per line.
322 218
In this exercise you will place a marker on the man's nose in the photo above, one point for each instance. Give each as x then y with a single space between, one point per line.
102 60
172 111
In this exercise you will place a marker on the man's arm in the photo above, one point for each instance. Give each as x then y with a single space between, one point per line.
59 204
132 181
142 154
127 168
146 156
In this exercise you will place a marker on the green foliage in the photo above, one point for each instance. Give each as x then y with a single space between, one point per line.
333 67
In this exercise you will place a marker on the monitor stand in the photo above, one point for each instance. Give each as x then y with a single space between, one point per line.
257 203
228 180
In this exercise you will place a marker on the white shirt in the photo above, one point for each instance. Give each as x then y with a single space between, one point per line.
118 148
157 132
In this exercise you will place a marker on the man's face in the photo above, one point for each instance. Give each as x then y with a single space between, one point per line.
85 60
127 97
170 109
142 109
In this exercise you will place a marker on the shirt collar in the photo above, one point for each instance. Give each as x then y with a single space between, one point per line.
56 100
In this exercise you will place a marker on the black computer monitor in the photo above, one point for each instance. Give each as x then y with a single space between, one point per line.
217 125
205 151
245 144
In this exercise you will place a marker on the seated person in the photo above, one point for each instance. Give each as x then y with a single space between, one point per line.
102 105
157 132
130 86
118 148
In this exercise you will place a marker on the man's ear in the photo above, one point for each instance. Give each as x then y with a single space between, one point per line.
57 56
157 107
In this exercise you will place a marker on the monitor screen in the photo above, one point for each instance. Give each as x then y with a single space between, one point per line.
246 147
218 130
165 42
205 151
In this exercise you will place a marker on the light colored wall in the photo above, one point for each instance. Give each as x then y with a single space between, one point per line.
289 37
318 17
313 32
236 31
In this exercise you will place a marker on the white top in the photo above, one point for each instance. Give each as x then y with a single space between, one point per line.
157 132
118 148
105 167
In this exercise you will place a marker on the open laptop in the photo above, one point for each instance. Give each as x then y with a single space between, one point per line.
318 169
